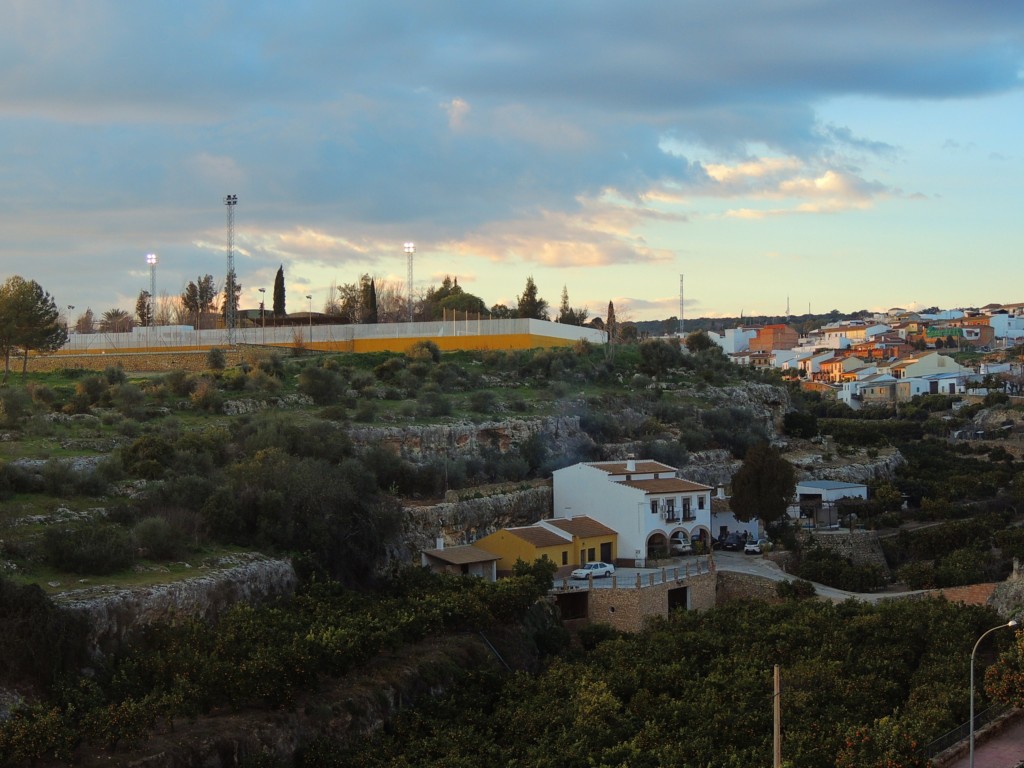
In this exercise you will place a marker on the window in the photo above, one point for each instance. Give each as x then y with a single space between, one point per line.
565 557
654 506
687 511
700 502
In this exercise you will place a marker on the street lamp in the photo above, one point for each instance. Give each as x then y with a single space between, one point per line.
1010 625
263 317
71 308
410 251
310 297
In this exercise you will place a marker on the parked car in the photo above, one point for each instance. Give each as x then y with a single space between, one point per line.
595 570
734 542
682 548
753 547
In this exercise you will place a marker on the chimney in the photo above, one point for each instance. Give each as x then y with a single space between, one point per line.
720 494
439 542
630 463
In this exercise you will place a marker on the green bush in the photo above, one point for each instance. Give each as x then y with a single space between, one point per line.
216 360
797 589
158 540
93 549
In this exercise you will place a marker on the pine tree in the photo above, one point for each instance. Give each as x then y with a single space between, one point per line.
531 306
610 325
144 309
279 310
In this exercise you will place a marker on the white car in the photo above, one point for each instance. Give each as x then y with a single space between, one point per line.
682 548
595 570
755 547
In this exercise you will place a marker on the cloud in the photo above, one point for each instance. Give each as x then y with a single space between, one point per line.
543 133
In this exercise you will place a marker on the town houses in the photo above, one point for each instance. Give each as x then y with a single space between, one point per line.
885 358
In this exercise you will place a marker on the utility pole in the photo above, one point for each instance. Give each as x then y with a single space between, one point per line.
777 731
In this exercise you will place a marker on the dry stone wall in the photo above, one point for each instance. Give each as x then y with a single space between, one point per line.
466 521
861 547
114 613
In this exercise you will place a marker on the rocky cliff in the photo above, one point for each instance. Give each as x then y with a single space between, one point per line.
113 613
467 520
421 443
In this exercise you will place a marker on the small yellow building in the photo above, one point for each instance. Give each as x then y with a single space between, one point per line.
568 543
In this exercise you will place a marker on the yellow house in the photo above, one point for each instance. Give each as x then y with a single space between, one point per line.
568 543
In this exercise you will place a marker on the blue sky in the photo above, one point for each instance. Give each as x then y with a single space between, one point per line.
841 155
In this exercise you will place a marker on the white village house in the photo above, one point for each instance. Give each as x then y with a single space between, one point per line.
645 502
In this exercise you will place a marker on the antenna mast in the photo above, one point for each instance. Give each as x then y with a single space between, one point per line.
230 313
681 304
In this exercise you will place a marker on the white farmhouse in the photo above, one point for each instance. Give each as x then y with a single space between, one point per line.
645 502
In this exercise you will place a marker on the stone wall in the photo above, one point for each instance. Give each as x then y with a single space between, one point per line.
113 613
862 547
628 609
745 586
466 521
137 362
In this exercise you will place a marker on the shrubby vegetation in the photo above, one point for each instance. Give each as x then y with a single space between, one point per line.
862 685
253 656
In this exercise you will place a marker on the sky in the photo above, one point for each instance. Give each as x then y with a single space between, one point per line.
820 155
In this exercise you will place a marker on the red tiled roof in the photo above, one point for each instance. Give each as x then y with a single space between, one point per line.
666 485
641 467
582 526
461 555
538 536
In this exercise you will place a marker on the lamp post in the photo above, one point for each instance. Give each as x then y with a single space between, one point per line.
71 308
151 259
1010 625
263 317
410 252
310 297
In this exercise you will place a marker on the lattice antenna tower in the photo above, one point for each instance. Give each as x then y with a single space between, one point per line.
230 310
681 293
410 252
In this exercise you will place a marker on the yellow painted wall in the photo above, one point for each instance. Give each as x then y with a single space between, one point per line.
594 542
511 548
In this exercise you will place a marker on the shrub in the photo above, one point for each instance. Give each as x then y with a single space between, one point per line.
322 385
797 589
216 360
434 404
157 539
115 375
424 350
95 549
483 401
206 396
366 411
15 405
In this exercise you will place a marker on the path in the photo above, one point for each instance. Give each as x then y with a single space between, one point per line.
1004 749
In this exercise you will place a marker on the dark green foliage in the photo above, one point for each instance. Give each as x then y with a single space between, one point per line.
216 360
483 401
322 385
700 684
15 406
827 567
798 424
38 642
797 589
424 351
431 404
157 539
763 486
91 549
657 356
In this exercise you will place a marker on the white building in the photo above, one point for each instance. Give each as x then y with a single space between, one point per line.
816 500
645 502
733 340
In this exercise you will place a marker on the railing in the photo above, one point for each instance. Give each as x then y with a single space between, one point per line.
649 578
963 732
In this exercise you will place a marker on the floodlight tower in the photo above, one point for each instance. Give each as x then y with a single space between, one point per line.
151 259
410 251
230 318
